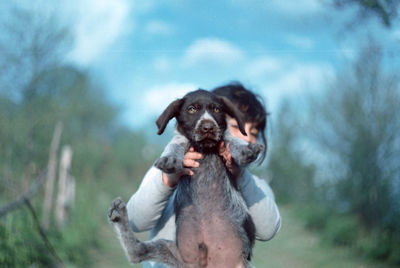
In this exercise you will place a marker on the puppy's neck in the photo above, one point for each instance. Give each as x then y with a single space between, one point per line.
205 147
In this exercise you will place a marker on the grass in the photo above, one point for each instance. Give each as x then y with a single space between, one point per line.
292 247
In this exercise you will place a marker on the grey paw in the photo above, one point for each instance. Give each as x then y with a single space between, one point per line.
117 212
245 154
169 164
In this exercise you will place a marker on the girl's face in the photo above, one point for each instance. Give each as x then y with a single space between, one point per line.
251 130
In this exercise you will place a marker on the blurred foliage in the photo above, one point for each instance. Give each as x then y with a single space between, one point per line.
20 244
356 122
292 178
351 192
38 90
386 10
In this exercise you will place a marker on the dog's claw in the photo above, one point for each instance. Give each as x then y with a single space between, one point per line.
169 164
245 154
117 212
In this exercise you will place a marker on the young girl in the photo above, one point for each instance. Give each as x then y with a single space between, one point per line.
151 207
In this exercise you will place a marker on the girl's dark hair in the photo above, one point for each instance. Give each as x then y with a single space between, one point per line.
251 106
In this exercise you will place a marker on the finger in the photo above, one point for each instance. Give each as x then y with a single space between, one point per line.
228 153
193 155
221 144
221 148
229 159
190 163
187 171
191 149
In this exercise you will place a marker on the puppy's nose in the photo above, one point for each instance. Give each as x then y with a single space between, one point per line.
207 127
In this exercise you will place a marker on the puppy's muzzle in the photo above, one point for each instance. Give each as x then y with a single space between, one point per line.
207 130
207 127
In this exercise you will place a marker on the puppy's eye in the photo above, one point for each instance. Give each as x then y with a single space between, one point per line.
191 109
217 110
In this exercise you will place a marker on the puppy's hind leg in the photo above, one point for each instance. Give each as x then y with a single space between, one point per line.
161 251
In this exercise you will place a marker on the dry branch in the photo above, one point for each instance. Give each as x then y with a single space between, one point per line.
25 196
43 235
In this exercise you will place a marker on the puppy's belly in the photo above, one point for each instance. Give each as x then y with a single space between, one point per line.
223 246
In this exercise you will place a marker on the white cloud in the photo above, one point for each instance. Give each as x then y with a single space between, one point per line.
396 34
212 51
158 97
157 27
286 75
296 79
347 51
263 66
98 23
144 6
301 77
162 64
299 41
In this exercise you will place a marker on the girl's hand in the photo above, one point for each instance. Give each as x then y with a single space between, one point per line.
189 162
232 167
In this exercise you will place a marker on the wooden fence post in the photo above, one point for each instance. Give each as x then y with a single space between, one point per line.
65 182
51 175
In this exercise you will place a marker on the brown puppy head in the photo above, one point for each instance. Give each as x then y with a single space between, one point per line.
201 118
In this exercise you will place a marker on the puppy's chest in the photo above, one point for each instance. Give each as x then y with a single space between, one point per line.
210 184
206 219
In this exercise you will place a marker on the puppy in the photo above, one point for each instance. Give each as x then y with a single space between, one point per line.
214 228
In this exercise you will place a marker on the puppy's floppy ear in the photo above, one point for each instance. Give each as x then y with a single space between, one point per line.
232 111
170 112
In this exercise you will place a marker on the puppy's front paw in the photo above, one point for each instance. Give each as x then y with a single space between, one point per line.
169 164
117 214
245 154
256 149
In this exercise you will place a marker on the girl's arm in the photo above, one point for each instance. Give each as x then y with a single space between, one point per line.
260 200
147 204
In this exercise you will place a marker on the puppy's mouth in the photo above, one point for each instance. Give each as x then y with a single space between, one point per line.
205 138
208 144
207 134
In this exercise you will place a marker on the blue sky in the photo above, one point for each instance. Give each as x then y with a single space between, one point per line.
148 53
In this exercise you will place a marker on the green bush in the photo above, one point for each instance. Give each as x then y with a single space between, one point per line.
394 257
20 243
314 216
22 246
341 230
379 245
345 230
81 232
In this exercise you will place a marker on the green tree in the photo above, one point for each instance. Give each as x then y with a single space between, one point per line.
37 90
355 125
386 10
32 40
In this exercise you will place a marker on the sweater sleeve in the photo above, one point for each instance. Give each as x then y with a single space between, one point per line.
145 207
260 200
